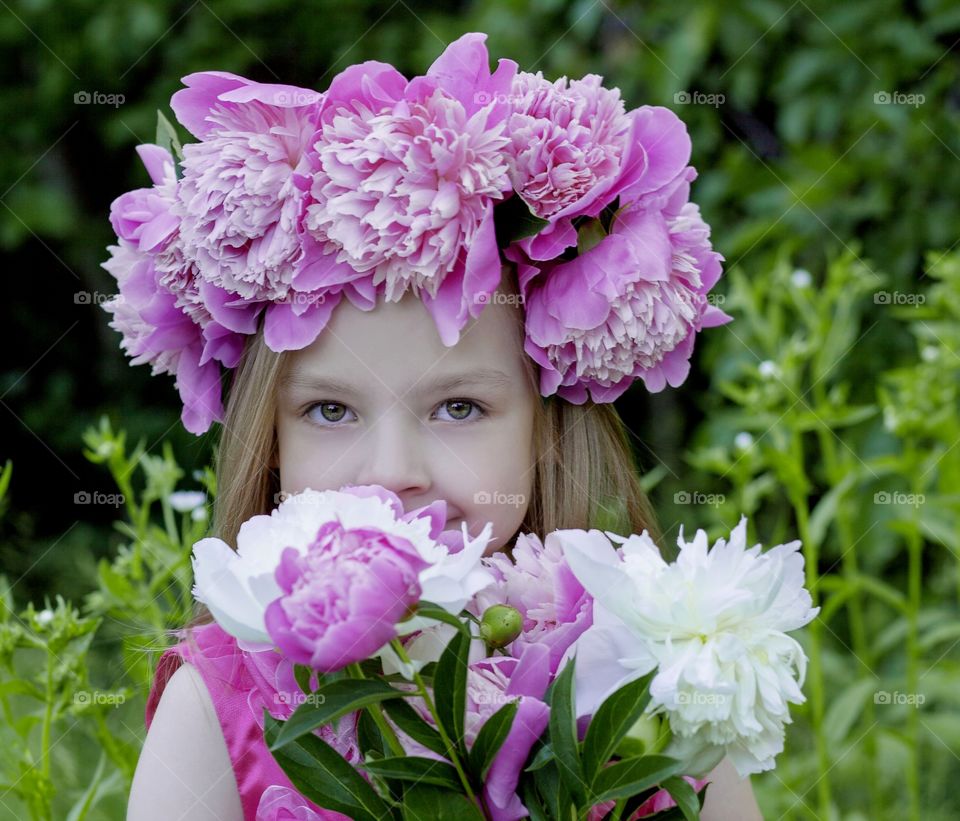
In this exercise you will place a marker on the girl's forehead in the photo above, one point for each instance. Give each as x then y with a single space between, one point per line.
403 336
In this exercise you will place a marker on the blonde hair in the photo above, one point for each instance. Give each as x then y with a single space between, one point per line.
585 474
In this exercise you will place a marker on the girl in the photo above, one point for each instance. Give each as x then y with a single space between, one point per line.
343 253
377 398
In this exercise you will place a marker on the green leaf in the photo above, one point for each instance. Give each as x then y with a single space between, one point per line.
563 733
333 701
417 769
632 775
612 722
685 796
513 220
589 235
323 775
491 738
845 709
425 802
450 687
542 757
167 136
369 738
410 721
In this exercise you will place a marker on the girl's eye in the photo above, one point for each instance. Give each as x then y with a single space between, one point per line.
459 409
333 413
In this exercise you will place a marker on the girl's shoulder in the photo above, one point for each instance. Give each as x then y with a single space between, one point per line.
241 683
184 770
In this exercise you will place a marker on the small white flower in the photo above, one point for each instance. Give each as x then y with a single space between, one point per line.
801 278
929 353
768 369
44 617
743 440
713 624
185 501
199 514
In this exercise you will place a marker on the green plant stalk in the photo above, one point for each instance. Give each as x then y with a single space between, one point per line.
850 569
451 748
802 511
377 715
914 591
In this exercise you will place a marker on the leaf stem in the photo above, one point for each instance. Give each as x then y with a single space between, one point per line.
377 715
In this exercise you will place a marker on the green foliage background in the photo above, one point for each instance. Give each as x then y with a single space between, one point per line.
826 137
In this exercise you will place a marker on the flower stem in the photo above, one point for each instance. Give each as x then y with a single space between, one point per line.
451 748
914 600
801 508
378 717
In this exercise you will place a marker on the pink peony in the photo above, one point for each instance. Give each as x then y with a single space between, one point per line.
628 307
568 142
554 605
237 200
405 176
343 598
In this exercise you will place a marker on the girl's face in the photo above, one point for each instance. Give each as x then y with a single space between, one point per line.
378 399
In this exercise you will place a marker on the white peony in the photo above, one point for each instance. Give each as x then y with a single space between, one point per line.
713 624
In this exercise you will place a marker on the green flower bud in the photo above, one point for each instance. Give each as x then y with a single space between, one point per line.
500 625
647 736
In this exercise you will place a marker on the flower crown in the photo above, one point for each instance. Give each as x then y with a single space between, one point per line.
293 199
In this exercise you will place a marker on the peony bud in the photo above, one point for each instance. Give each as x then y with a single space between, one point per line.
500 625
647 736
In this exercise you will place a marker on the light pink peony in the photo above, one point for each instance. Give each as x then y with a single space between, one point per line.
343 598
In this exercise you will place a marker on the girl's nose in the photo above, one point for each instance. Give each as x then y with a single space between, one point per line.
395 454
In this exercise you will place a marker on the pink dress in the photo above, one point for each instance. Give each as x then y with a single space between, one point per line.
242 683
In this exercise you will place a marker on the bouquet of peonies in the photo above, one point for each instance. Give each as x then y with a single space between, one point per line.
584 677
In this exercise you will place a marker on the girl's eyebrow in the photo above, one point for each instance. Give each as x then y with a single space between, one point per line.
489 377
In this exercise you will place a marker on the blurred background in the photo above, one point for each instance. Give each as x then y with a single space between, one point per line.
827 140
